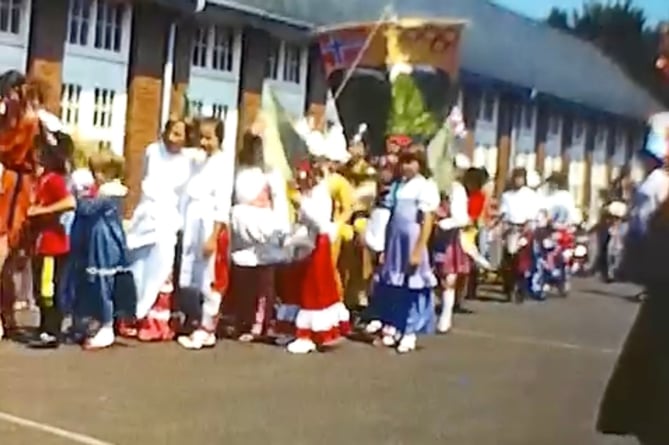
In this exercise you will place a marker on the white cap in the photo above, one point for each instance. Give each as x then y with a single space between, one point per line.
336 146
617 209
462 161
533 179
50 121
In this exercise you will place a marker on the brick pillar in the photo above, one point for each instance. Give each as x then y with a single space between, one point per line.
471 100
255 51
541 131
591 128
182 64
150 27
504 130
48 33
317 87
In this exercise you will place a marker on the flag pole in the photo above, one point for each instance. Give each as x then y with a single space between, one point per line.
387 12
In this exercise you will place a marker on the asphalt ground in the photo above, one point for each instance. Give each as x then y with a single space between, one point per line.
507 375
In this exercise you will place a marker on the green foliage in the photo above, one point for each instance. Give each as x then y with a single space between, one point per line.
408 113
620 30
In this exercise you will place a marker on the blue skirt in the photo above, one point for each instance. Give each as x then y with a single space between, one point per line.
410 311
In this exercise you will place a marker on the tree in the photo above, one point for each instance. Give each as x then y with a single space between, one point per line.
620 30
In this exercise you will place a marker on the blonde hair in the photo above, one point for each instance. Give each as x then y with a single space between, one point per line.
107 163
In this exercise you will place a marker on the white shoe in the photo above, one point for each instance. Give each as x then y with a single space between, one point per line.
301 346
104 338
390 336
373 327
407 344
2 331
445 323
284 340
197 340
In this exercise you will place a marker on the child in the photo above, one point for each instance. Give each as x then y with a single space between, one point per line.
207 204
322 318
52 245
97 285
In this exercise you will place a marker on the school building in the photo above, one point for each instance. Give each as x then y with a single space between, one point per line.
531 95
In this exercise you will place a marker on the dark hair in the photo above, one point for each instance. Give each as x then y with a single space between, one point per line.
172 122
519 172
11 80
53 159
558 179
251 143
474 179
219 128
420 157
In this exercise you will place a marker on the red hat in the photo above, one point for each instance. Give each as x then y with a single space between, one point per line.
304 168
401 140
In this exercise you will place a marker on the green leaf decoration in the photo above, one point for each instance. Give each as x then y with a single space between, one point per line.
408 113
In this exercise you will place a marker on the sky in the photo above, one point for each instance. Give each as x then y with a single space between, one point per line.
656 10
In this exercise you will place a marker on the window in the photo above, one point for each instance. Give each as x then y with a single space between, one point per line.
97 24
578 131
517 115
69 104
487 112
528 117
621 138
554 124
272 63
601 135
292 63
219 111
195 108
11 12
103 108
200 49
213 48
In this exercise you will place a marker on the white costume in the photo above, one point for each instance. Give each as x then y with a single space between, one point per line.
519 206
260 217
207 201
152 231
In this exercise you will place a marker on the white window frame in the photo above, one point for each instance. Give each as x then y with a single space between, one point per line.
272 63
601 135
21 37
554 125
488 107
281 67
70 105
209 45
89 50
580 125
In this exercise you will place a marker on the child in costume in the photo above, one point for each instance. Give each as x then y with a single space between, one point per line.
97 284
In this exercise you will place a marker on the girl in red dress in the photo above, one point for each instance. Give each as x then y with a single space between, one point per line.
322 318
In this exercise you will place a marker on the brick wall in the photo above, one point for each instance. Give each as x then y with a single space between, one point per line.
317 87
149 30
47 48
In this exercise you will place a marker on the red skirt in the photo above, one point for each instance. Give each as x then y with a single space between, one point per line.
322 318
222 263
289 278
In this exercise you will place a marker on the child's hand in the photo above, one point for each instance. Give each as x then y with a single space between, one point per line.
209 247
34 211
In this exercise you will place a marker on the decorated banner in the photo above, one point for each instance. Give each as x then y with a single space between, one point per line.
398 76
663 58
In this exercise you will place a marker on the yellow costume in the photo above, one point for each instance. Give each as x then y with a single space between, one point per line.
355 261
341 191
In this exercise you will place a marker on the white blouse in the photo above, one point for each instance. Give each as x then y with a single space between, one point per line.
422 190
211 182
458 208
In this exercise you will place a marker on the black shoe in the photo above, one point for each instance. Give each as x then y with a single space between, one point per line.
462 310
44 341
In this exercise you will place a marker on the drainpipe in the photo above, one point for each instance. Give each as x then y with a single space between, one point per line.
168 67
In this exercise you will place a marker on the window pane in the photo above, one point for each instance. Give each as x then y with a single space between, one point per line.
15 17
4 17
118 27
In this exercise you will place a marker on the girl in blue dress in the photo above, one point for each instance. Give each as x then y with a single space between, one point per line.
405 280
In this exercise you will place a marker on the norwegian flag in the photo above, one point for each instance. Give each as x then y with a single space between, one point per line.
340 49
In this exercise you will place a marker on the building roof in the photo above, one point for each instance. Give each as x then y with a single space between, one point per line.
498 44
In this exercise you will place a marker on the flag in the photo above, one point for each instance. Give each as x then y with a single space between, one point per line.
341 48
440 158
282 144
